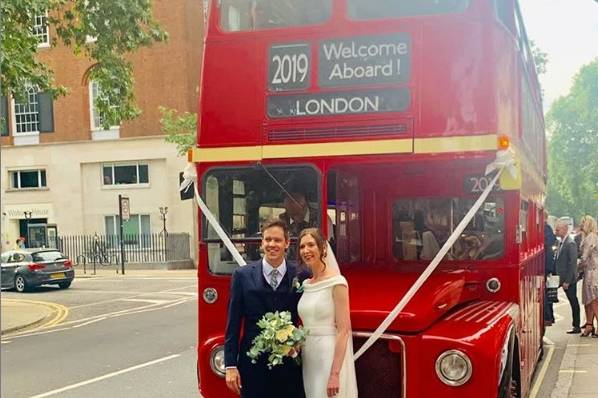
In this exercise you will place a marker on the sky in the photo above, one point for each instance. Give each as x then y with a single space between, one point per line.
567 30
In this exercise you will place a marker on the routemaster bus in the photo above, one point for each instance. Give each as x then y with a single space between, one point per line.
384 115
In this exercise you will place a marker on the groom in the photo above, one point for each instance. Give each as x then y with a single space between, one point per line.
257 288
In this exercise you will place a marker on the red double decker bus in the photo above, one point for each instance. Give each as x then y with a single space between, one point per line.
384 115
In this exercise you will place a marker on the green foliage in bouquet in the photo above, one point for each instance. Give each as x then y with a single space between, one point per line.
279 338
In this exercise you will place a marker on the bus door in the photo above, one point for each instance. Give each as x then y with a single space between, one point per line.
344 210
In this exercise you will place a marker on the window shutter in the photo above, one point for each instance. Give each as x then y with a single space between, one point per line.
3 115
46 112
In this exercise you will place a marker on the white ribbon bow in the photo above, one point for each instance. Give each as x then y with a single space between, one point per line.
190 177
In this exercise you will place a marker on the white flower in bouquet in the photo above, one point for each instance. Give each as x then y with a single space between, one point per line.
279 338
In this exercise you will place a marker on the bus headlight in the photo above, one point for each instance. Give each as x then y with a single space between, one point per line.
453 368
217 361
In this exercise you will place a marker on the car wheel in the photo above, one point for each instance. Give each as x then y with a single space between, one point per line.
21 284
64 285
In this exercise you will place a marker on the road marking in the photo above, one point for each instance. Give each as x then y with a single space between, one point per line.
169 291
89 322
542 372
59 313
104 377
572 371
96 318
147 301
5 342
580 345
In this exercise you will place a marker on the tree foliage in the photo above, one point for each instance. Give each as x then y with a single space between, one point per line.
573 147
540 58
104 31
179 130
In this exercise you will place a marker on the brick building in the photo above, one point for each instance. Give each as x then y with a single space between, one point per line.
60 168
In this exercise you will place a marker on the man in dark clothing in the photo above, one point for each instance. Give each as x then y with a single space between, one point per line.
549 269
298 214
257 288
566 267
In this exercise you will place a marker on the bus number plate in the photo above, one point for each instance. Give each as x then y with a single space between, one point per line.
289 67
477 184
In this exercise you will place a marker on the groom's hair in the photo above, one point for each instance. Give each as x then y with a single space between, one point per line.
279 224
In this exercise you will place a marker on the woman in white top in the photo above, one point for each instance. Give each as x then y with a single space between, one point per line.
328 367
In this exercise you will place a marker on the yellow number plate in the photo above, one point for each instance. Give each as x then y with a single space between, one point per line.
60 275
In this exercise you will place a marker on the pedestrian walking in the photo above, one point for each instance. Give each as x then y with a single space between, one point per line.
589 267
549 269
566 268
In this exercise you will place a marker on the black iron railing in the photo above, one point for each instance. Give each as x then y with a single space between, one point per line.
105 249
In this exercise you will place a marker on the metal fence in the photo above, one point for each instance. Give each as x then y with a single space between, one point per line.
105 249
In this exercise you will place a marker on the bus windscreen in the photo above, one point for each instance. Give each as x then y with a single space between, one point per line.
378 9
245 15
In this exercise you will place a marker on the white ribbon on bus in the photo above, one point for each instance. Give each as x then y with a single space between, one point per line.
505 160
190 177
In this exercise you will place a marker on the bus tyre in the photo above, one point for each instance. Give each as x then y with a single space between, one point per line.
509 383
64 285
21 284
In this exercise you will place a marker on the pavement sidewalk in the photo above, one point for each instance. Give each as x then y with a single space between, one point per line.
103 272
20 314
579 366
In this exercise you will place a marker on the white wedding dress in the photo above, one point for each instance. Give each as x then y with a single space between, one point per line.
316 309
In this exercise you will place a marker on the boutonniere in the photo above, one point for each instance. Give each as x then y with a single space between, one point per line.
297 285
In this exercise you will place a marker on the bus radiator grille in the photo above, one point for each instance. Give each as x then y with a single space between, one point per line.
379 372
338 132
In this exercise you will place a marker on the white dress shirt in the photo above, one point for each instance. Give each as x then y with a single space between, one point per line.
267 270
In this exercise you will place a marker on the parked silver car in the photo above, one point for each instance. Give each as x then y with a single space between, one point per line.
29 268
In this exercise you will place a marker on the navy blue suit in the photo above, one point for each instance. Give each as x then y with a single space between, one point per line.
251 296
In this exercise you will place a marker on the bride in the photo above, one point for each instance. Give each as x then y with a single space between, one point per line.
328 367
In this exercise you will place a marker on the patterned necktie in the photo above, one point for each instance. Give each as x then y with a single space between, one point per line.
274 279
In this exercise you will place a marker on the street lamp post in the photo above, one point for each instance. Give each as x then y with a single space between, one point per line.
27 218
163 211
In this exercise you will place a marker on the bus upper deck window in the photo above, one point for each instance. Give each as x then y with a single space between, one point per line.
249 15
378 9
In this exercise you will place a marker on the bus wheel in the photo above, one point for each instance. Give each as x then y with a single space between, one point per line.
509 384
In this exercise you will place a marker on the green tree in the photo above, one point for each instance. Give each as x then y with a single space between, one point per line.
573 147
118 28
179 129
540 58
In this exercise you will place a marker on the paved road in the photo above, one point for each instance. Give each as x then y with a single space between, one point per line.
123 337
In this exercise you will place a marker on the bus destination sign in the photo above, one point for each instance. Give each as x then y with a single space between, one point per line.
289 67
364 60
342 103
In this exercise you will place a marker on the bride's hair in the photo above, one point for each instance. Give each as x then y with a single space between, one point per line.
320 242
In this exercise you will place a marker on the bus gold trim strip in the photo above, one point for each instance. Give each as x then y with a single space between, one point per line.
456 144
346 148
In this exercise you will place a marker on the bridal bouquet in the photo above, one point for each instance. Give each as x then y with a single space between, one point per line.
279 338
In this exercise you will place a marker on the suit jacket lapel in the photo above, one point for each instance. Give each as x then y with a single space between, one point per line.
287 281
561 247
258 276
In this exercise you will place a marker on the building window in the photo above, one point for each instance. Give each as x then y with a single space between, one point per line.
27 113
40 30
96 117
135 230
26 179
125 174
